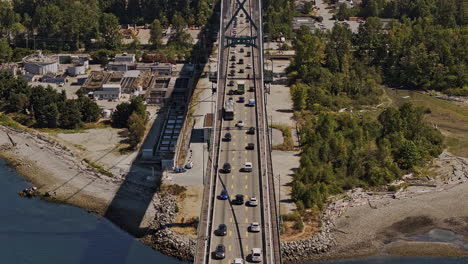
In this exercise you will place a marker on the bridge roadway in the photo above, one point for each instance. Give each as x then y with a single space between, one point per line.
239 240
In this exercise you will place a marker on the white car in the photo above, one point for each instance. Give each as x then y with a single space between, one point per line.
240 124
253 201
238 261
255 227
247 167
249 66
256 255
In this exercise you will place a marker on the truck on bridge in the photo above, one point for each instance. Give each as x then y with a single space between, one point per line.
228 110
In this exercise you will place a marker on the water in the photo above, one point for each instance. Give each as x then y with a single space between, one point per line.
34 231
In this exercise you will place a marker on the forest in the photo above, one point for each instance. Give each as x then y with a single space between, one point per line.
44 107
92 24
336 79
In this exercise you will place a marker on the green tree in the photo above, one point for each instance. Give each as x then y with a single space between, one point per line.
109 29
137 105
70 115
156 33
203 13
5 51
136 129
408 155
18 102
178 22
89 110
121 114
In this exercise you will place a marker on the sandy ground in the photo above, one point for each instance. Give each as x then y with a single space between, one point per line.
57 171
365 223
101 146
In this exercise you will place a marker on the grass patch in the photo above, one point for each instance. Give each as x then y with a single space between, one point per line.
174 189
451 118
8 122
98 168
288 142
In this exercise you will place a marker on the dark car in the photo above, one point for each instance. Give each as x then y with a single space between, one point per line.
251 131
226 168
227 137
248 54
241 50
251 89
239 199
233 58
220 251
250 146
233 65
231 83
241 99
222 230
241 71
231 92
233 72
224 195
241 61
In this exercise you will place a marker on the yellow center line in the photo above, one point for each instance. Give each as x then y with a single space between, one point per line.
233 143
232 186
246 187
230 234
245 159
246 234
232 176
246 220
233 158
230 219
247 248
246 176
233 152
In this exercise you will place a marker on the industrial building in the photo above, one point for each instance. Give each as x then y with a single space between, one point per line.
41 64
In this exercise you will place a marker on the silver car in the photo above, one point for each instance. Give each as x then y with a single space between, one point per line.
255 227
253 201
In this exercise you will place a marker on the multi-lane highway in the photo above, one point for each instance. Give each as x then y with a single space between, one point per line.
240 155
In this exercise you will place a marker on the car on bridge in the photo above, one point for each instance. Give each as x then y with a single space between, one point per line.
253 201
254 227
256 255
251 131
240 124
250 146
222 230
238 200
249 66
241 99
247 167
227 137
224 195
251 102
238 261
226 168
241 71
220 252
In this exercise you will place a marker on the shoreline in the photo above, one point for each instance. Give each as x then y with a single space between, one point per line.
360 225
